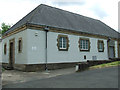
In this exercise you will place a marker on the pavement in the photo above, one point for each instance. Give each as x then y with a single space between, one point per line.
14 76
96 78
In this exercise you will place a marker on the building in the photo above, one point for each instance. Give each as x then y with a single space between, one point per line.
51 38
0 49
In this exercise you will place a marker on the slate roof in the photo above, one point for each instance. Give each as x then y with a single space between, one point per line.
54 17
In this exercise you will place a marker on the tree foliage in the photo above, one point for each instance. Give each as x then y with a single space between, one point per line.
4 28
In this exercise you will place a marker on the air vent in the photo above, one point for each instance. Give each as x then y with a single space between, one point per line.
94 57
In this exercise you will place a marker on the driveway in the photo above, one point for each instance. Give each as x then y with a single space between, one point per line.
96 78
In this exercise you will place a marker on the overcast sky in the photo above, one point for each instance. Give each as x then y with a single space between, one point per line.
12 11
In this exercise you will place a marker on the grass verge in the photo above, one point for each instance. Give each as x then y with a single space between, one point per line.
3 69
116 63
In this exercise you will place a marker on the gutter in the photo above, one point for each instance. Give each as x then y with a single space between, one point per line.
46 32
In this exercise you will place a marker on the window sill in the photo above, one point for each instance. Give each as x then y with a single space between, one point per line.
19 51
85 50
100 51
63 49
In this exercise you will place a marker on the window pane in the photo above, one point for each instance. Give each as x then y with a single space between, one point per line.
64 45
64 42
20 45
100 47
60 39
5 46
80 46
64 39
60 42
81 41
84 44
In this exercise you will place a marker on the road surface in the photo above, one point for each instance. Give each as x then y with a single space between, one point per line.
96 78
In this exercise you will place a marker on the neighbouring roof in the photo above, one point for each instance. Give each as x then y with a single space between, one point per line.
54 17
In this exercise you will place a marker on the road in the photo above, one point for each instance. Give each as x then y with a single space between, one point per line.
96 78
0 76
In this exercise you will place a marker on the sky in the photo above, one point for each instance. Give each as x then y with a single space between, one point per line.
11 11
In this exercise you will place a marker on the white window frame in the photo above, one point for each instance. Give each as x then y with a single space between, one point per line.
100 46
62 43
84 44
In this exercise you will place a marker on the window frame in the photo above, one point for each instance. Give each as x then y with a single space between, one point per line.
85 44
100 41
58 43
20 46
5 48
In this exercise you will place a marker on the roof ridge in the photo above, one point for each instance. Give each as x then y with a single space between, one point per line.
36 9
68 11
108 26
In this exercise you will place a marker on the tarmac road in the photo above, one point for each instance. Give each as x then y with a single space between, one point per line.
0 76
96 78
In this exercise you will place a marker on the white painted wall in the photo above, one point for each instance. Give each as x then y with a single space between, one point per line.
73 54
37 54
20 58
36 46
116 49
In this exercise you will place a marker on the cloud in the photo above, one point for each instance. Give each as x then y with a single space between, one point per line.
12 11
68 2
100 12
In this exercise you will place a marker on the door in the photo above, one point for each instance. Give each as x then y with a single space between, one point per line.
111 52
11 54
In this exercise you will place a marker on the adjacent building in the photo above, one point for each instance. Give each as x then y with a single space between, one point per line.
0 49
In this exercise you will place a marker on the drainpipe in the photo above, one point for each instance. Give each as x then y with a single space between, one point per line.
46 31
108 40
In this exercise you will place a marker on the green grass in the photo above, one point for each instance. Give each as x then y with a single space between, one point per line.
3 69
116 63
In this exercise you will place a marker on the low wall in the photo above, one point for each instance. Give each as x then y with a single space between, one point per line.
85 65
39 67
52 66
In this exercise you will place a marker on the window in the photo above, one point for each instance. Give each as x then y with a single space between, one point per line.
62 43
100 46
84 44
20 45
5 48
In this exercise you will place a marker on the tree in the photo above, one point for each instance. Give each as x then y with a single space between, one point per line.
4 28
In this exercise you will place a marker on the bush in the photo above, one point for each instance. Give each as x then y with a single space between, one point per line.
3 69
